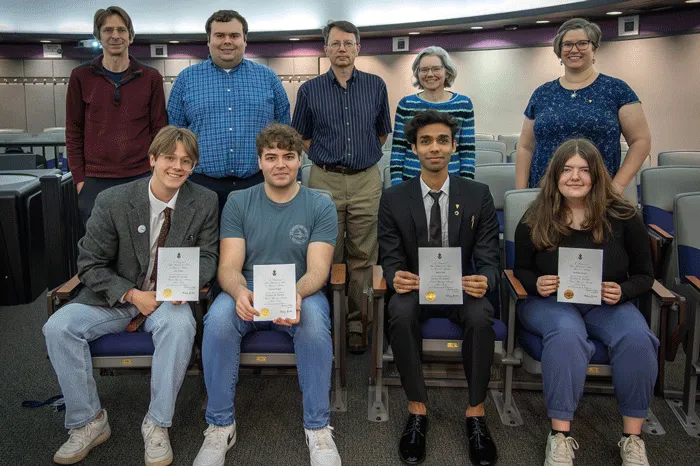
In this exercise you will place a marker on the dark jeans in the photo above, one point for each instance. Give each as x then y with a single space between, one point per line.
93 187
223 186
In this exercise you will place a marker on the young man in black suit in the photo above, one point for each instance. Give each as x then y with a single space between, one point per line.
440 210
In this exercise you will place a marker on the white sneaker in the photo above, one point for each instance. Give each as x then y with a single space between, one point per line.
560 450
632 451
82 440
322 448
157 444
217 441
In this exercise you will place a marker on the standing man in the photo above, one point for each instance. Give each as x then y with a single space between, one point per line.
227 100
277 222
440 210
114 108
343 117
117 267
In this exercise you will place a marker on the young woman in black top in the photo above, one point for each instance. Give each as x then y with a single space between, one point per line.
579 207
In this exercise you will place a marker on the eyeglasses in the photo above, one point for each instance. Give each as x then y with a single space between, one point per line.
348 44
434 69
580 45
186 164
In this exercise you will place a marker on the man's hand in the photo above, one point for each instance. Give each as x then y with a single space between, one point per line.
244 304
178 303
289 322
475 285
547 284
405 282
79 186
611 293
145 301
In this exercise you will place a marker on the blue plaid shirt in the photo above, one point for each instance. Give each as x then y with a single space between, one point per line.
344 125
227 110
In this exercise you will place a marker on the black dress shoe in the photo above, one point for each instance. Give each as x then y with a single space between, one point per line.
482 450
412 444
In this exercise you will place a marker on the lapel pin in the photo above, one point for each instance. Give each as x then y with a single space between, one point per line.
142 229
457 209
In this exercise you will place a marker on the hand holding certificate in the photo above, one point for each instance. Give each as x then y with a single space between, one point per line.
440 272
275 291
178 274
580 275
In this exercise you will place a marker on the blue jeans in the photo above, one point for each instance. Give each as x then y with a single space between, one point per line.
565 329
69 331
221 351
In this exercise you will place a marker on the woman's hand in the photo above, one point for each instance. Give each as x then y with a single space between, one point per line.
611 293
547 284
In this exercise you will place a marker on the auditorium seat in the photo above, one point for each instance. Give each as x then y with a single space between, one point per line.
499 146
484 137
500 177
510 139
686 207
488 156
530 345
679 157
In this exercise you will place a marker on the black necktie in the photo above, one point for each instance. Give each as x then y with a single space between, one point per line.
435 227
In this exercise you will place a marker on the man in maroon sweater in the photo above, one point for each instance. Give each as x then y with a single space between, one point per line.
114 108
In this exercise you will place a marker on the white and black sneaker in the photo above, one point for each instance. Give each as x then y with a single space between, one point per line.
83 439
217 441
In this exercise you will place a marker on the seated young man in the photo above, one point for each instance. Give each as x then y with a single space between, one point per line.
277 222
117 266
436 209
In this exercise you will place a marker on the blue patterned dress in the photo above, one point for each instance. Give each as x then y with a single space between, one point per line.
590 113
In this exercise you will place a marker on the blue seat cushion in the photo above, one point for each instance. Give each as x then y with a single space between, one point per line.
267 341
658 217
123 344
499 214
442 328
532 345
688 262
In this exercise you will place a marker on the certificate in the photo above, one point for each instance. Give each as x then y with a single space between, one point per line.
275 291
440 272
178 274
580 275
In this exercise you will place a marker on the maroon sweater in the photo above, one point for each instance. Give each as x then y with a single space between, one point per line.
109 126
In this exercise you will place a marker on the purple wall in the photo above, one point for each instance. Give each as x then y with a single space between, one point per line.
664 23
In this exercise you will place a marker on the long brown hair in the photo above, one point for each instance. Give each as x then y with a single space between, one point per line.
548 216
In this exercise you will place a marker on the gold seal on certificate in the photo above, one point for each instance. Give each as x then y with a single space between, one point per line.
178 274
275 291
580 275
568 294
440 272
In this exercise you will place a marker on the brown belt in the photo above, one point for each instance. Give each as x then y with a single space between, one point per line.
341 169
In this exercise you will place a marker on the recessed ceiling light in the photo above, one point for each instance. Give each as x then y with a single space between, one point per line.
543 21
692 1
293 38
477 27
45 41
613 13
413 33
174 41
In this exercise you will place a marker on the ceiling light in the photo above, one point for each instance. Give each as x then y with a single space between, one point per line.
415 33
45 41
95 43
692 1
613 13
543 21
174 41
293 38
477 27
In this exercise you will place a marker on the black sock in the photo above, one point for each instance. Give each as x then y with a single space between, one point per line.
565 433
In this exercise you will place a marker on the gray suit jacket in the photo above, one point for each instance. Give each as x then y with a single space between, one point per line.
113 255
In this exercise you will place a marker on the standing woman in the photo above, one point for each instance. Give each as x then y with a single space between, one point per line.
578 207
433 71
582 104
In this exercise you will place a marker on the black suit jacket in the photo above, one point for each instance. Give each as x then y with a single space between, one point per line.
403 228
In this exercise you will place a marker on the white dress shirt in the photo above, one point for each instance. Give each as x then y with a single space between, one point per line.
444 205
157 220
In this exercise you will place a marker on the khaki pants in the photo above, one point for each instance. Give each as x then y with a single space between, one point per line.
356 200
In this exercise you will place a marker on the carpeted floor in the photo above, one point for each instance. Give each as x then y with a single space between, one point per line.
269 417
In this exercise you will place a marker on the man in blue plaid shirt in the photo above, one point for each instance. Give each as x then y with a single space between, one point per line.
226 101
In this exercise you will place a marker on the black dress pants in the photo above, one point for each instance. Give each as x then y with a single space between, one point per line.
475 316
223 186
94 186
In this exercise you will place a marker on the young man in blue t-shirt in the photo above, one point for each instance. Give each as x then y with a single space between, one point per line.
277 222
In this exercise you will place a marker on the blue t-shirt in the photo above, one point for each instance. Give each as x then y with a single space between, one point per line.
590 113
116 77
278 233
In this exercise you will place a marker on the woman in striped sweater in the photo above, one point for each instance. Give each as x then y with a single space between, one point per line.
433 71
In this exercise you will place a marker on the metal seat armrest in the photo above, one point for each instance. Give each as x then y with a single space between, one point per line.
378 281
660 232
338 276
515 288
62 294
694 282
663 294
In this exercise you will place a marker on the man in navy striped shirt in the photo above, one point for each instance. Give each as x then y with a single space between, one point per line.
226 101
343 116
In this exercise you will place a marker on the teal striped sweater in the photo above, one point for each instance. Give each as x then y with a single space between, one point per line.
405 164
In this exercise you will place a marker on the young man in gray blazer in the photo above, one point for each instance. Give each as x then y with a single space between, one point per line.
117 266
